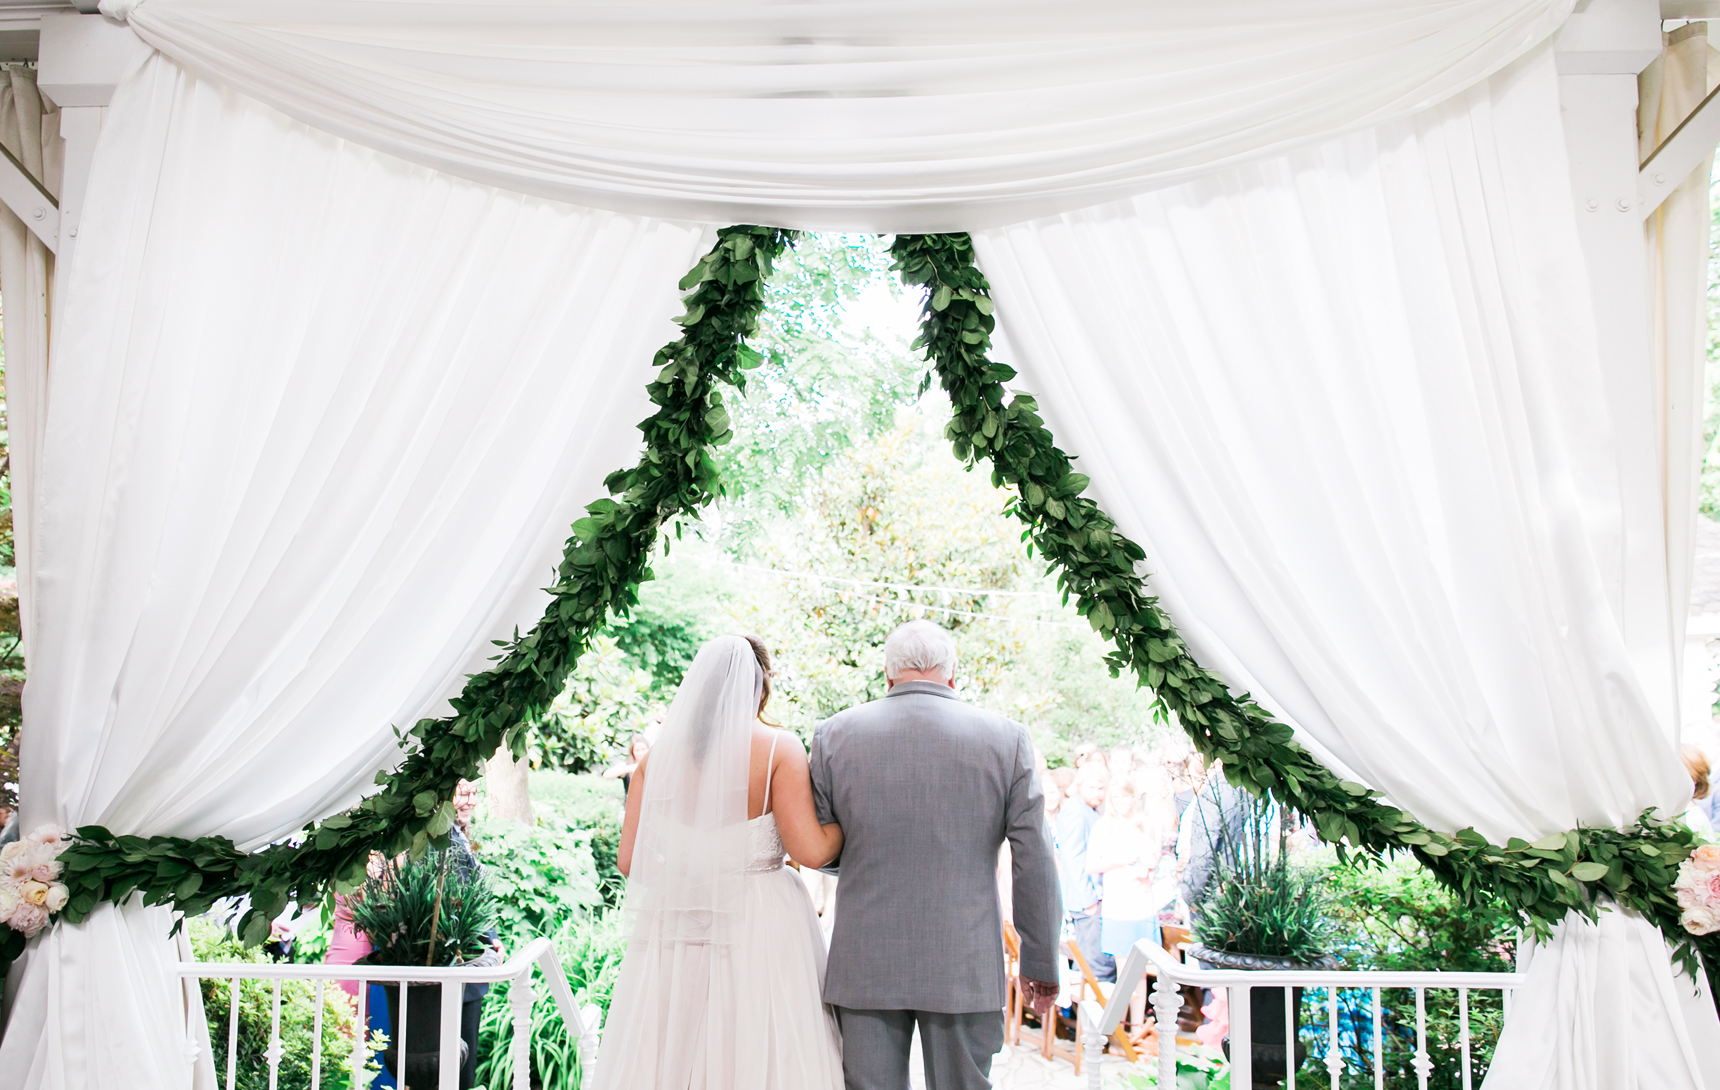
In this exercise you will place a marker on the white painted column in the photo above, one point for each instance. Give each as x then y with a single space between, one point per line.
82 60
1600 50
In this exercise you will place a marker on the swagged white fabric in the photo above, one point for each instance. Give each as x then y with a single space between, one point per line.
1350 402
319 422
884 116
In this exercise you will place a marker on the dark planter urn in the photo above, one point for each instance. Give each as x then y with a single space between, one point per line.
423 1045
1266 1011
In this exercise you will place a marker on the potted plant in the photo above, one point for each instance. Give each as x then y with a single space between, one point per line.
436 910
1260 912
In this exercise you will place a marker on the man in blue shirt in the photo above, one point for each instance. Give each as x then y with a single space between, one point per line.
1083 892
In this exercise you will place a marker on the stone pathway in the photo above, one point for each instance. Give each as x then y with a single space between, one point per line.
1018 1067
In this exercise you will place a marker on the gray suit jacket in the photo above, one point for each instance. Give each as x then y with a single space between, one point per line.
927 787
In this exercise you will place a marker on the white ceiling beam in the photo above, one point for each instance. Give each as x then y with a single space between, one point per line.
1678 155
1608 37
84 57
1690 9
29 201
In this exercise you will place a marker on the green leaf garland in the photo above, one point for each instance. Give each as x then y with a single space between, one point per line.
606 560
1096 566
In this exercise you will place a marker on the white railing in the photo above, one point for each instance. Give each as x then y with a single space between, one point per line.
517 971
1101 1020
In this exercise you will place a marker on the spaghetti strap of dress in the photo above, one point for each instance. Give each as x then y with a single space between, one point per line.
769 767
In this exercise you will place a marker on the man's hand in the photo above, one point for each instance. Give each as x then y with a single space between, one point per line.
1039 994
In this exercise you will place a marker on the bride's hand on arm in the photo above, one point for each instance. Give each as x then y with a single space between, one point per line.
809 843
630 823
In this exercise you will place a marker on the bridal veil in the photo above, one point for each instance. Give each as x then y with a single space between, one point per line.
686 895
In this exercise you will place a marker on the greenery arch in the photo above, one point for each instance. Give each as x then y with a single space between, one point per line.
606 559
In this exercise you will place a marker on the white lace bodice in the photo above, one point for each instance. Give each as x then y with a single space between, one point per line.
764 845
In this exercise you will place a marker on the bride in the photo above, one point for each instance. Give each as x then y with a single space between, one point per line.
721 985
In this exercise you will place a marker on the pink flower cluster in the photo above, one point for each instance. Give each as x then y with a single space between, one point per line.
1698 889
30 890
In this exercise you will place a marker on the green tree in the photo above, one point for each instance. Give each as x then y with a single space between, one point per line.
837 365
894 528
607 700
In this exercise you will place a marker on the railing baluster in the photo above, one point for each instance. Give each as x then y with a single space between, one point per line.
448 1063
273 1054
1289 1038
401 988
1334 1054
1092 1043
232 1033
1379 1044
1241 1036
316 1039
361 1033
1167 1001
1463 1033
520 997
1423 1065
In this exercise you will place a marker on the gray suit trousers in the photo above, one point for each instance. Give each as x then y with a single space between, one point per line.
957 1048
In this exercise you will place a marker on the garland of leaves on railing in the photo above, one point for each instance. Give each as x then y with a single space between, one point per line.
1096 565
606 559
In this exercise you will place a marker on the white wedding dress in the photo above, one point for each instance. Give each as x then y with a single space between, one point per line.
725 997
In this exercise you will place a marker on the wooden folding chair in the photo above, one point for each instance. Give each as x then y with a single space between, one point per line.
1018 1011
1176 941
1089 981
1014 1000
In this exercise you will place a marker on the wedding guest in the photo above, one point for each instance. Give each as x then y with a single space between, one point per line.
1120 761
1696 763
1175 763
1086 753
1065 780
1124 853
1083 892
623 770
1053 797
1210 825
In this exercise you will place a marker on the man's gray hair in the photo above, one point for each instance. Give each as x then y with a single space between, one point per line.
920 645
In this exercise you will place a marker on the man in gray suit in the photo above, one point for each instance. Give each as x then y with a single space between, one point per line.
927 788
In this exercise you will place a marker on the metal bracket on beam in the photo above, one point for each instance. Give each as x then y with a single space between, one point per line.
28 201
1678 155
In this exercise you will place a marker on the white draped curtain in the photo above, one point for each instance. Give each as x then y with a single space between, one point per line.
1298 281
319 423
1349 401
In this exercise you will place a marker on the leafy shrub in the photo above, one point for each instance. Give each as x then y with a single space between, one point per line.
590 948
310 941
1198 1068
588 801
541 876
428 911
212 942
1280 912
1258 903
1397 916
